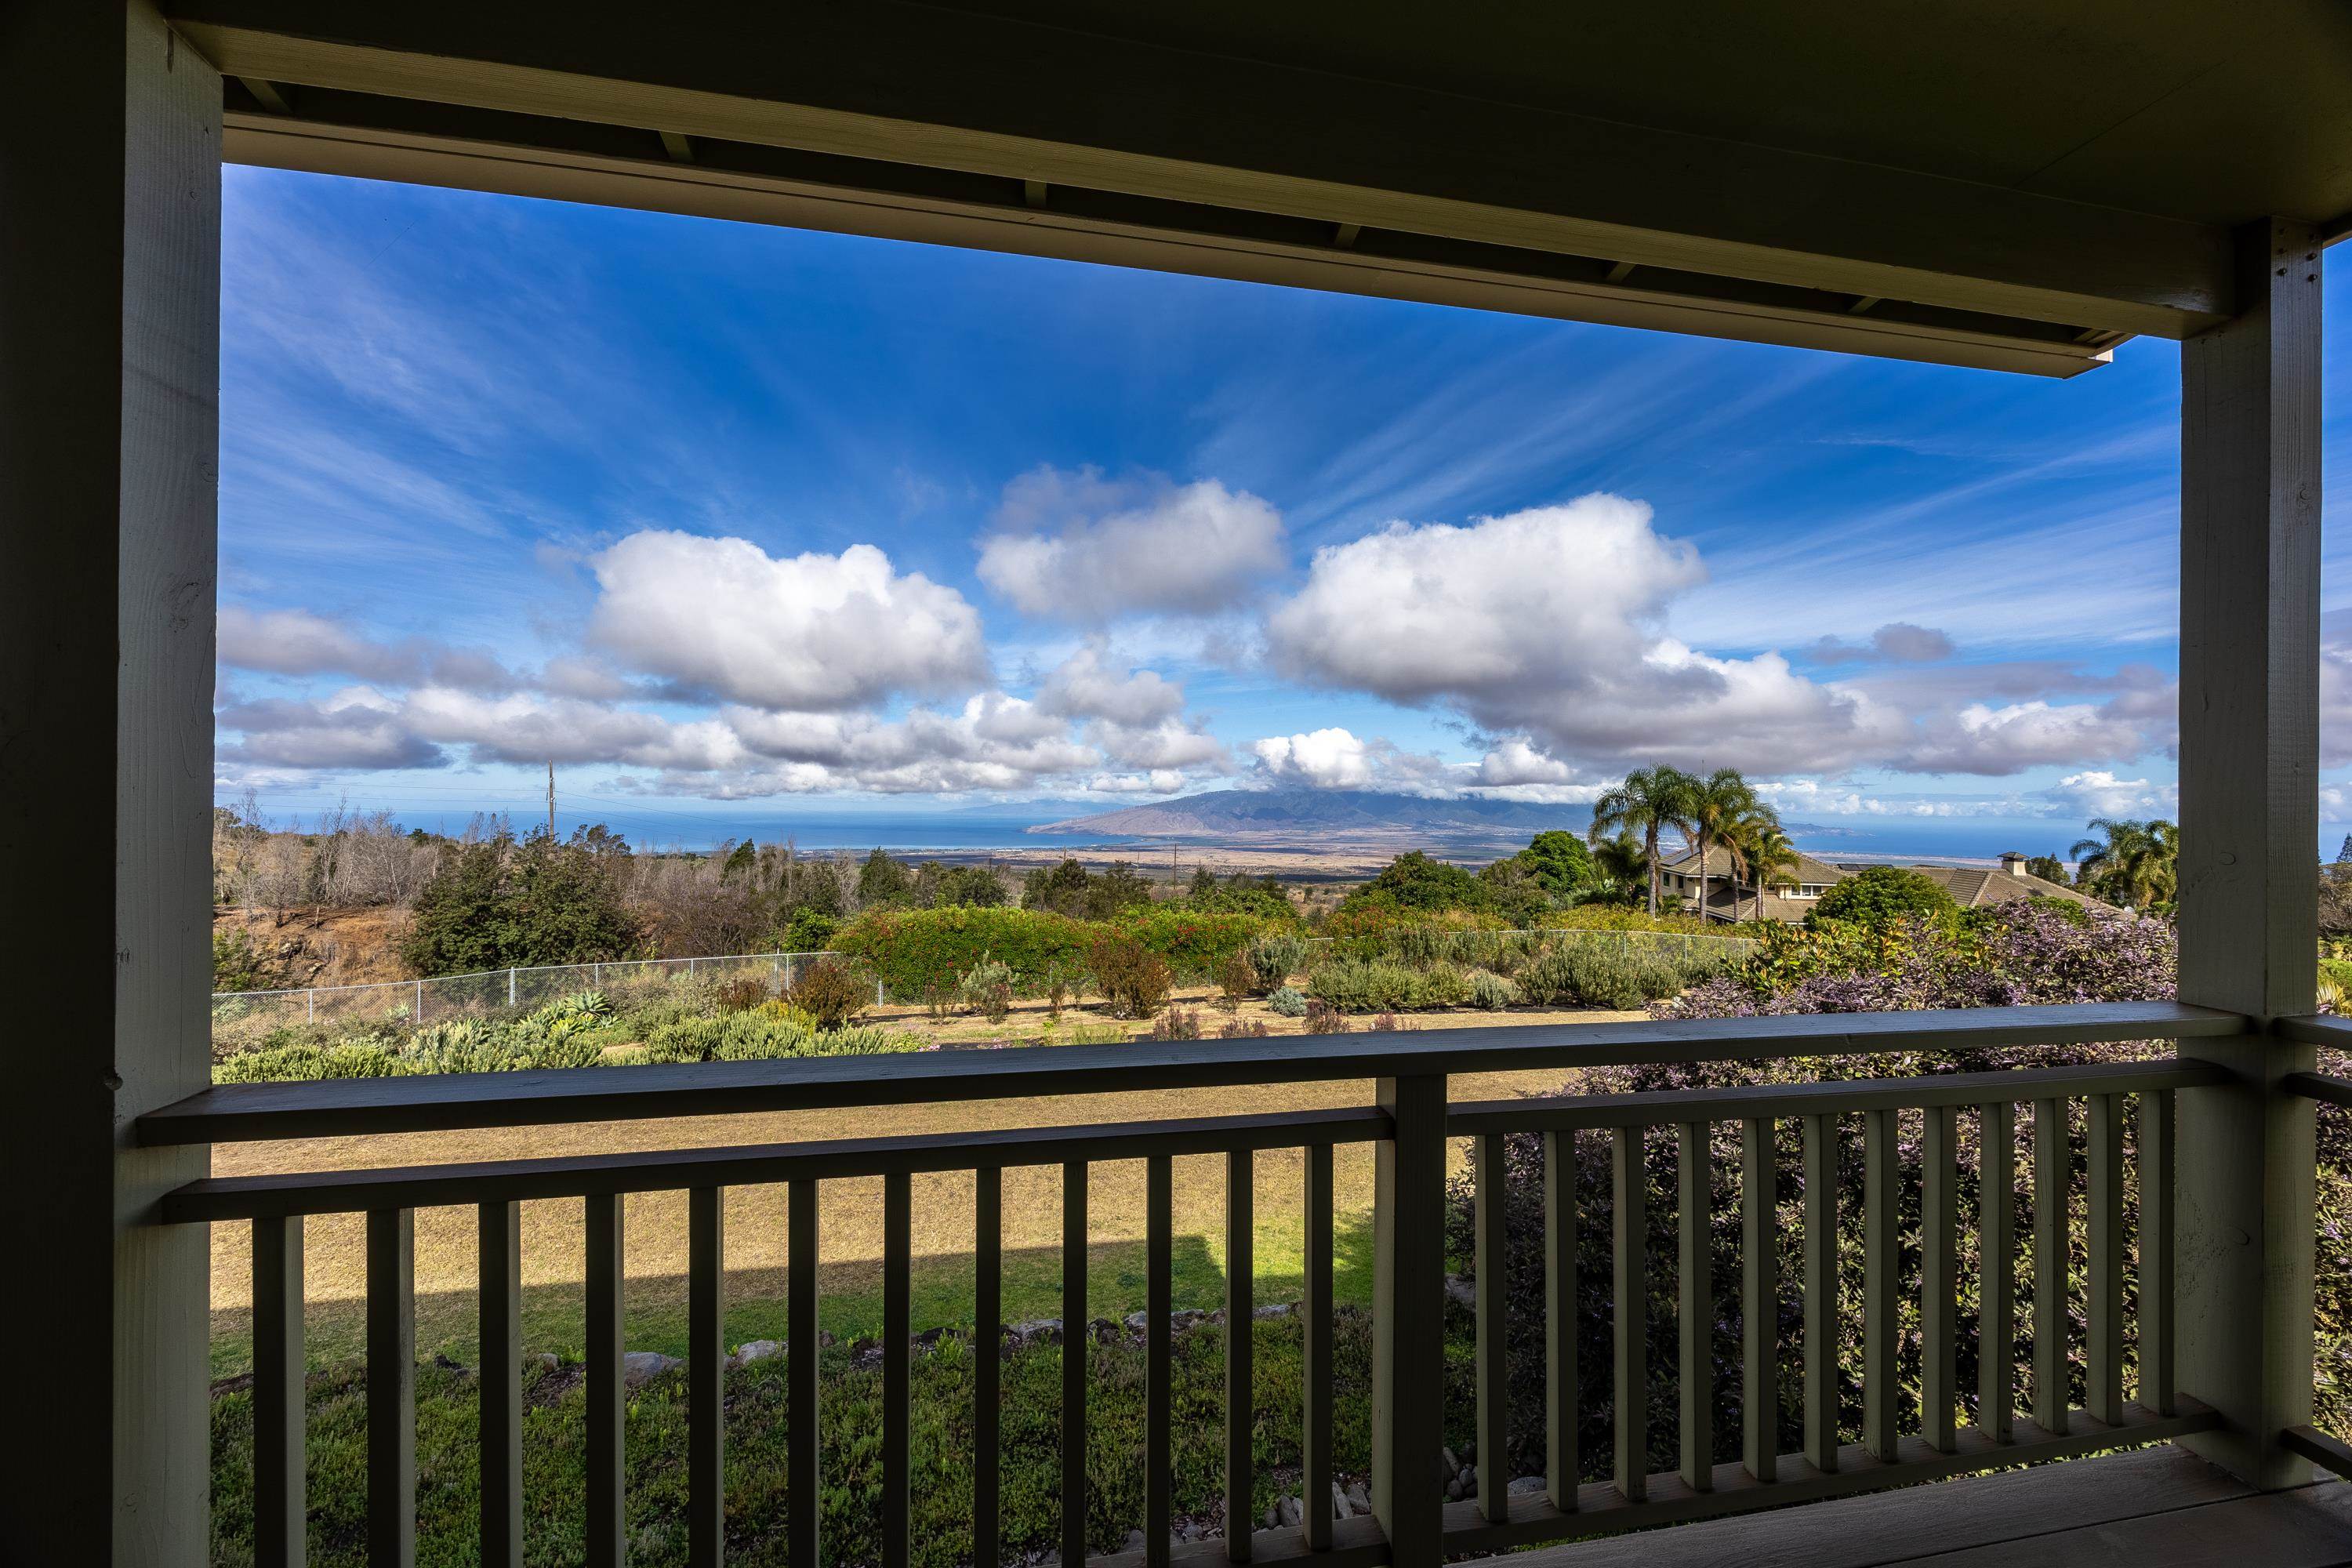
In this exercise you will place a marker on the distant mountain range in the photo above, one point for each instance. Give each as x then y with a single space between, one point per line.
1262 814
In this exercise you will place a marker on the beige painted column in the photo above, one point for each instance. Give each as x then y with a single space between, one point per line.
110 283
2250 844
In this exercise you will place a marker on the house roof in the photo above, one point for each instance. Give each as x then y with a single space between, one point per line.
1807 870
1973 886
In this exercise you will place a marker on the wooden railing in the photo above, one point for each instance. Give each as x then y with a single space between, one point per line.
1409 1126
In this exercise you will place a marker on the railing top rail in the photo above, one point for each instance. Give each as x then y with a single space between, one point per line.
2317 1029
244 1112
1566 1113
428 1186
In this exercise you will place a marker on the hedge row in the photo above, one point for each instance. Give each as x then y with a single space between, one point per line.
913 951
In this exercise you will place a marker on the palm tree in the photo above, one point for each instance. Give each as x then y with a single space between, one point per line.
1622 863
1719 804
1650 801
1767 852
2134 863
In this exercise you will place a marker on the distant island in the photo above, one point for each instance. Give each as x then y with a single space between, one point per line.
1243 815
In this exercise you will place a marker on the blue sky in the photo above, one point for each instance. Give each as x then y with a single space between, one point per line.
737 523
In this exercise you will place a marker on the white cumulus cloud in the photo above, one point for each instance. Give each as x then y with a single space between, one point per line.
1078 547
811 632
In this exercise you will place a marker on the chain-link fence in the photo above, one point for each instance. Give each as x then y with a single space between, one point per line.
1485 948
493 991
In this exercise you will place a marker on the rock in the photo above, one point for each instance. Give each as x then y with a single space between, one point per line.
445 1365
547 1359
1134 1540
1035 1331
638 1366
1359 1498
824 1339
928 1338
750 1350
1273 1516
1452 1465
1453 1489
1527 1486
1461 1291
1192 1531
1102 1330
1136 1322
1271 1309
1469 1477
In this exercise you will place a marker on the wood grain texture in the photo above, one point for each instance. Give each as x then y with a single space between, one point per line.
110 377
1881 1315
1820 1243
1563 1464
2008 1511
1759 1300
2249 555
238 1112
499 1327
1408 1316
1629 1294
1997 1275
1695 1304
1939 1279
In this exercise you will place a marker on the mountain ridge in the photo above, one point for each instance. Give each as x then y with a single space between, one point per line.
1231 813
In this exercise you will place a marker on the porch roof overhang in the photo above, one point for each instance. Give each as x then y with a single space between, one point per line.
1994 185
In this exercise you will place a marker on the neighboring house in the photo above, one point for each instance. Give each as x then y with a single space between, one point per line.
1797 889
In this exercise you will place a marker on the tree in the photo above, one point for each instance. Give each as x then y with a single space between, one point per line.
968 886
1559 863
2134 863
1060 889
2049 867
1762 852
1883 895
881 881
1414 881
1620 869
1720 803
1650 801
497 904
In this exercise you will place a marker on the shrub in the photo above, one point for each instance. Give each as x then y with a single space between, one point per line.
747 991
237 964
1178 1023
912 950
1598 973
766 1033
986 988
1489 991
1325 1019
1135 980
1880 896
1236 978
1289 1001
832 992
1414 881
1243 1029
1387 1024
1194 945
307 1064
1274 957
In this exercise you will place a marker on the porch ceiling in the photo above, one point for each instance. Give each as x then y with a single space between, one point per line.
2012 186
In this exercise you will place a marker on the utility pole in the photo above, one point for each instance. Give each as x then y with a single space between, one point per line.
551 800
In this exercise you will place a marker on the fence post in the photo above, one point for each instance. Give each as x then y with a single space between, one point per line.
419 1014
690 969
510 989
1408 1320
310 1006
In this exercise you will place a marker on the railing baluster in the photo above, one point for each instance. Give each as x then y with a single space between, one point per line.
607 1414
499 1228
2103 1352
1821 1293
1760 1301
1408 1317
1241 1282
1694 1279
1629 1221
802 1496
706 1376
1562 1471
280 1533
898 1206
392 1387
2049 1265
1879 1220
1159 1301
1317 1414
988 1347
1076 1343
1939 1279
2156 1256
1494 1373
1997 1271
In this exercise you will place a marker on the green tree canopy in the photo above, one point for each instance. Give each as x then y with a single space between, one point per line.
1414 881
1647 804
2134 863
968 886
2049 867
497 904
882 880
1883 895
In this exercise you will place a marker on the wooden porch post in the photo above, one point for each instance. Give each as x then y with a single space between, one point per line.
110 283
2250 844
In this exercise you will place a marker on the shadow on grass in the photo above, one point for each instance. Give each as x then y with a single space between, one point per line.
849 1299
